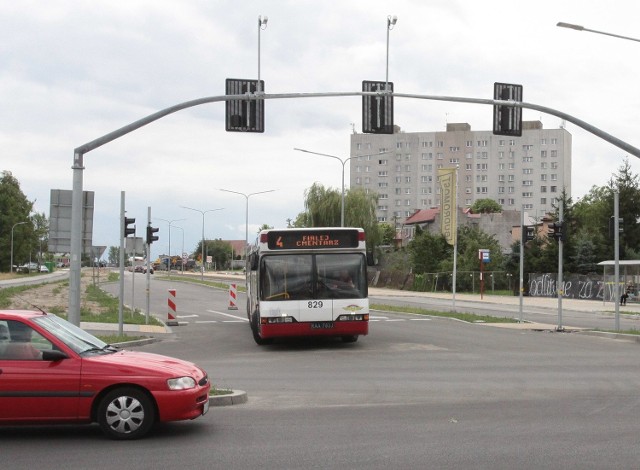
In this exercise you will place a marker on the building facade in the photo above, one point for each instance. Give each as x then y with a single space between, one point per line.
520 173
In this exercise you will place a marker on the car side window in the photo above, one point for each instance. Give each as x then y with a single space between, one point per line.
22 342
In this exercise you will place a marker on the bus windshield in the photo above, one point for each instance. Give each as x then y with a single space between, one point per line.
313 276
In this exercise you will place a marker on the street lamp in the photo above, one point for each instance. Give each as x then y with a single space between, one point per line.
14 226
202 247
343 161
582 28
171 222
391 22
262 25
246 214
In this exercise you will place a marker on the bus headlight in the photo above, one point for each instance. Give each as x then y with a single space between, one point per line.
354 317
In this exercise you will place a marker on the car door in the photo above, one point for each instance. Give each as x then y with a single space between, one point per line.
33 388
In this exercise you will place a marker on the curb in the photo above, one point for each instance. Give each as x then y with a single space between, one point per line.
236 397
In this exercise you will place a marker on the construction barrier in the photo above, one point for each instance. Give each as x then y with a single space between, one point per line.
233 295
172 318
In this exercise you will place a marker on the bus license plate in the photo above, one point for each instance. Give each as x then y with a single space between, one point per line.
317 325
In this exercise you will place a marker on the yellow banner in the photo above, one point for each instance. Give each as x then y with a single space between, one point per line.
448 211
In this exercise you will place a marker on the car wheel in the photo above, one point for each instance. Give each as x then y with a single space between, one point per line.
126 413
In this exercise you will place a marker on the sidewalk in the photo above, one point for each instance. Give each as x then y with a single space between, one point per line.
542 302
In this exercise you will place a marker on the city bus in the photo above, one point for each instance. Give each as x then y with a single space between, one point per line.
308 282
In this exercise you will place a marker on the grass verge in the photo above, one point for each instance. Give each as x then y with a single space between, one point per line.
218 284
468 317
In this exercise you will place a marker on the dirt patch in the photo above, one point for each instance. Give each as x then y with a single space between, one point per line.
54 297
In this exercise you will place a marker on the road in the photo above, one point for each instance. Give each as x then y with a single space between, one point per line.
415 393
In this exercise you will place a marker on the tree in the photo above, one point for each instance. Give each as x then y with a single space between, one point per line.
220 252
15 209
387 233
485 206
323 209
114 255
427 252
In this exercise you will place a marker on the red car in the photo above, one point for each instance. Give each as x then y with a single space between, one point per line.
51 371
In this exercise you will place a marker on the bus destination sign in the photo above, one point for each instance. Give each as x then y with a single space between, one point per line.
313 239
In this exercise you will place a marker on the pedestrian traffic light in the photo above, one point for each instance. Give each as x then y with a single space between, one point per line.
556 231
127 230
150 234
528 233
507 120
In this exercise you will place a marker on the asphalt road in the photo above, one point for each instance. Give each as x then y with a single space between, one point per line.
414 393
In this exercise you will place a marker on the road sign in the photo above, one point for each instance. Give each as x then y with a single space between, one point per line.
244 115
377 111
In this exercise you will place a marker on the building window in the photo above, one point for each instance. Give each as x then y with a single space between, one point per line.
554 189
554 153
382 174
383 162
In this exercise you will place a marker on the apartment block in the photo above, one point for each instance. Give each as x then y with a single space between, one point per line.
527 172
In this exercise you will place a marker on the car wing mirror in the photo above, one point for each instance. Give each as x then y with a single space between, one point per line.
53 355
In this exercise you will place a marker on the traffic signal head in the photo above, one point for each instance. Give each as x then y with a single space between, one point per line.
556 230
129 230
528 233
150 234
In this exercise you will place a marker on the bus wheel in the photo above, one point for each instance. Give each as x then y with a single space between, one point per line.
350 339
256 335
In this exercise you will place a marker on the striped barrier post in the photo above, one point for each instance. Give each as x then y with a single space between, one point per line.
233 294
172 319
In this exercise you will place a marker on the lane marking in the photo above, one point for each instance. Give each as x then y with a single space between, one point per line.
239 319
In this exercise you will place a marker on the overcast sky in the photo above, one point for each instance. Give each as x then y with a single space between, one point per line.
72 71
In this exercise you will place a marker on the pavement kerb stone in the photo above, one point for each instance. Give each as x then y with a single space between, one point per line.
236 397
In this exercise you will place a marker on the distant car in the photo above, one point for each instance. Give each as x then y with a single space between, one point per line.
55 372
28 268
43 269
143 269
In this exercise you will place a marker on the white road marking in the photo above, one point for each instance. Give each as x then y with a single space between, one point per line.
239 319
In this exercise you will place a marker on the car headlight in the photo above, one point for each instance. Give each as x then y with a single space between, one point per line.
181 383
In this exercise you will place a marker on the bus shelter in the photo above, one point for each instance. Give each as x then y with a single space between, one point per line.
628 282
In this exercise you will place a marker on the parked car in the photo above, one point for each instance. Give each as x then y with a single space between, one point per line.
27 268
43 269
143 269
55 372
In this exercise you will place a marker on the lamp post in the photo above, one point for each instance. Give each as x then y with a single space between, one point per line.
202 246
343 161
582 28
246 214
262 25
170 222
391 22
14 226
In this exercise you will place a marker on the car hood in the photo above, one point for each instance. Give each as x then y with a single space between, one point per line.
149 364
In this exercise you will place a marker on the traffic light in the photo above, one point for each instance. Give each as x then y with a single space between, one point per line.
507 120
528 233
129 231
244 115
612 227
377 110
556 231
150 234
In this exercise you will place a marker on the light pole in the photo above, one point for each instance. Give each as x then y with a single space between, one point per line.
246 214
170 222
391 22
582 28
343 161
262 25
14 226
202 247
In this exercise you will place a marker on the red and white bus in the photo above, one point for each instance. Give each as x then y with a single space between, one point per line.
308 282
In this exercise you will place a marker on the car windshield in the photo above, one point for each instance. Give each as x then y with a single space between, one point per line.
76 338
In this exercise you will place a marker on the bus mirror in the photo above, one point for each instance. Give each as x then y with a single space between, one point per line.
253 261
370 260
